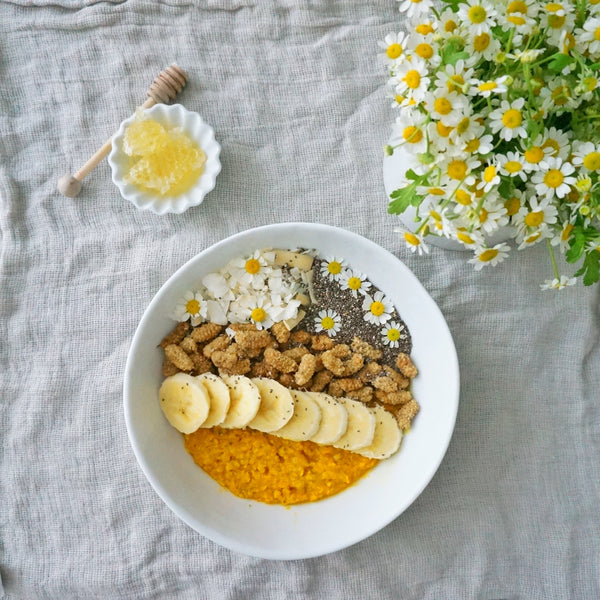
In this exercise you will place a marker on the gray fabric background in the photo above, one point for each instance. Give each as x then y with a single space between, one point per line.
296 98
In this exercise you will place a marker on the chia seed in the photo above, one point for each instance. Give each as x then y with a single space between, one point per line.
329 295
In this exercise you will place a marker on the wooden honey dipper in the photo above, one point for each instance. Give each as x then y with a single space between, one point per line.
165 87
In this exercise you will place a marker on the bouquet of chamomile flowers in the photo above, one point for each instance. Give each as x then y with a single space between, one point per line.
498 116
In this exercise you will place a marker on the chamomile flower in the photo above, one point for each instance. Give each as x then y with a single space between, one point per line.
482 45
520 15
328 321
557 141
558 283
589 36
479 15
424 47
486 88
556 17
393 49
492 215
489 256
477 144
411 79
192 307
414 241
377 308
555 180
392 333
250 272
332 267
459 169
535 217
490 178
507 120
558 96
354 281
447 107
587 154
512 164
253 307
469 239
535 156
455 78
415 8
409 128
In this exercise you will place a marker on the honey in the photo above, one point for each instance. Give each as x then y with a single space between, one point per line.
163 161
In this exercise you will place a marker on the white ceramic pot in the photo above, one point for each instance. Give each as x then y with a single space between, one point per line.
394 168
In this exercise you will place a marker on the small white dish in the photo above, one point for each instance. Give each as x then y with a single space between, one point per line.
315 528
170 116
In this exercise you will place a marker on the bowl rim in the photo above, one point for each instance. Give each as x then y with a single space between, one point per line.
257 550
185 200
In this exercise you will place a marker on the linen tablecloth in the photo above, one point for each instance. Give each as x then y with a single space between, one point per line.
297 100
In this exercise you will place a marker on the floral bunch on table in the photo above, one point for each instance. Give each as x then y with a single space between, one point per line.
498 115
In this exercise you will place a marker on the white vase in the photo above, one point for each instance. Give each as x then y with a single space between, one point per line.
394 168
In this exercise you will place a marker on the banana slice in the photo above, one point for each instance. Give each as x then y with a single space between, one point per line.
184 402
218 394
244 401
276 405
334 419
361 425
283 258
387 438
305 421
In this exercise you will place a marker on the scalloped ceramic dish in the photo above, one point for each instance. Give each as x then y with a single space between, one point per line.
315 528
191 123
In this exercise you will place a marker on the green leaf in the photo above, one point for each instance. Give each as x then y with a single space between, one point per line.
577 245
591 268
559 62
403 198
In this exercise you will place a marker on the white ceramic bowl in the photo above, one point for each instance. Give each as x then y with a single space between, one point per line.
191 123
317 528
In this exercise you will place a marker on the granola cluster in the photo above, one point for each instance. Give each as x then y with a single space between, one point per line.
297 359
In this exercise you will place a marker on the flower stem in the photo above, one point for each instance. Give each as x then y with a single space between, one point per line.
553 259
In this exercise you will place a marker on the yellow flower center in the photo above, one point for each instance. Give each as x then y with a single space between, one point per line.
463 197
556 21
592 161
354 283
512 118
515 19
465 238
463 125
489 173
483 215
442 129
488 86
334 267
192 307
590 83
512 206
424 51
252 266
488 255
413 79
393 335
258 314
394 51
450 26
377 308
327 323
534 155
412 239
457 169
597 34
424 28
481 42
412 134
473 145
550 143
442 106
566 232
532 238
455 83
513 166
561 95
553 178
477 14
534 219
518 6
436 191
